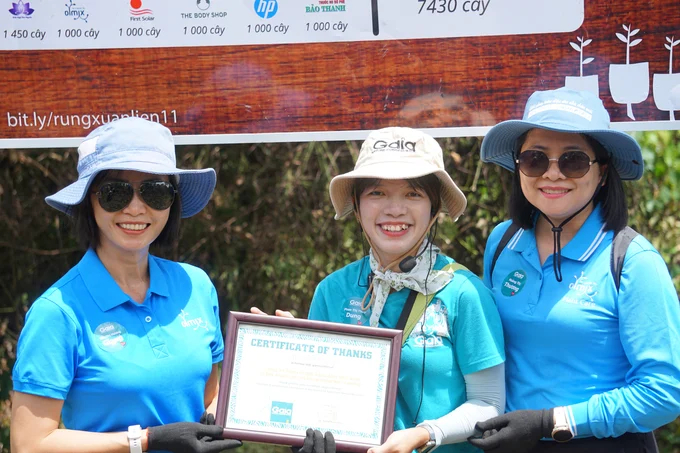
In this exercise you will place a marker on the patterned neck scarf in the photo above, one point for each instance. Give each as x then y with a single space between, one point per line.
422 279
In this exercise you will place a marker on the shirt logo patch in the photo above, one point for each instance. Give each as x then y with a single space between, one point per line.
110 336
432 327
583 291
195 323
514 283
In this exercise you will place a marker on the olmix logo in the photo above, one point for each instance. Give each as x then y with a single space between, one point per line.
266 9
76 12
281 412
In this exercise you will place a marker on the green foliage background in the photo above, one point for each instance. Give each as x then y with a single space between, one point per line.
268 236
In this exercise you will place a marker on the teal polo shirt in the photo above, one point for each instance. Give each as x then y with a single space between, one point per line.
460 333
116 362
612 357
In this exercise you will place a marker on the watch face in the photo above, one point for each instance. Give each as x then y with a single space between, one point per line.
562 435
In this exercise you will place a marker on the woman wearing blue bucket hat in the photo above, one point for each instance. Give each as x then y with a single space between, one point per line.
590 315
124 348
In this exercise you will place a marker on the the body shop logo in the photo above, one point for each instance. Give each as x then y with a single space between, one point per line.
326 6
21 10
266 9
203 4
136 9
281 412
397 145
76 12
196 323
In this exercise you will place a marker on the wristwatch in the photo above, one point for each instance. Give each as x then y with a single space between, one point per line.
430 444
134 435
562 431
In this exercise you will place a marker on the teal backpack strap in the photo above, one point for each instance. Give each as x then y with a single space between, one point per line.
421 304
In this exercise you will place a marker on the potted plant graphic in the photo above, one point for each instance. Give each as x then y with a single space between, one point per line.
582 83
629 83
665 85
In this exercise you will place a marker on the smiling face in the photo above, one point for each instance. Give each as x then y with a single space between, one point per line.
136 226
395 216
554 194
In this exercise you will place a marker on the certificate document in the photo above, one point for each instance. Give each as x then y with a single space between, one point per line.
287 375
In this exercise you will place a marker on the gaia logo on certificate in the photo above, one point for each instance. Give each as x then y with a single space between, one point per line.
281 412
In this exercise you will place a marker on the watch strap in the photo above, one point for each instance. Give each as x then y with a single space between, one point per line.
431 443
134 435
562 431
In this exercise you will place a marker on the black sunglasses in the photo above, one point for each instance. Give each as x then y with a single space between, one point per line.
572 164
116 195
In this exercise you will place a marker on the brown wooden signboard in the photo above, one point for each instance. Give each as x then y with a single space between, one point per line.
626 51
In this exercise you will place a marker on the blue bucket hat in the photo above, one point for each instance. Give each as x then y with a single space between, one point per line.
134 144
564 110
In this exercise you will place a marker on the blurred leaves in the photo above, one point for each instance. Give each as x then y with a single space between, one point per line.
268 236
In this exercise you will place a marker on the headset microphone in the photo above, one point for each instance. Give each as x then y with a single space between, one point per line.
407 264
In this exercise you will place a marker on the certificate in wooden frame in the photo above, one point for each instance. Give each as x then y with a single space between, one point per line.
283 375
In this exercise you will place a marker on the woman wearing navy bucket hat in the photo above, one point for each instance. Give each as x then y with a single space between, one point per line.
590 315
124 348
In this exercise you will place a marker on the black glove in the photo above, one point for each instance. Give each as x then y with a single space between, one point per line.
315 442
189 437
207 418
514 432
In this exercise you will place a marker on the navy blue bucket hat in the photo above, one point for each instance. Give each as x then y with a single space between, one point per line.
134 144
564 110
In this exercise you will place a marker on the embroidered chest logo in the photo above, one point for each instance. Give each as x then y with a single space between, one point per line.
195 323
583 291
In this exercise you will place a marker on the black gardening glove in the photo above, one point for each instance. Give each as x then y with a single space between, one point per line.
189 437
514 432
207 418
315 442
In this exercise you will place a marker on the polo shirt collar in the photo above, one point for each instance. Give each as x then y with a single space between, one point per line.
588 238
104 289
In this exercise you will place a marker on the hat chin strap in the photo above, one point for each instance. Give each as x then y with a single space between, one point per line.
392 263
557 232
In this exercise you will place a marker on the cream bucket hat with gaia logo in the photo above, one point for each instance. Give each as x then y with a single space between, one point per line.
397 153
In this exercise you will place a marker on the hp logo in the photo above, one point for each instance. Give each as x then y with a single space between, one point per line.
266 9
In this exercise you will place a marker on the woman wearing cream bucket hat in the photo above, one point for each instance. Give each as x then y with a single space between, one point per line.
451 372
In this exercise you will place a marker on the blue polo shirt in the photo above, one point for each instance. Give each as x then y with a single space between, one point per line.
116 362
612 358
460 333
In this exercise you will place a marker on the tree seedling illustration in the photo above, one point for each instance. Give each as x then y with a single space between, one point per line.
667 84
584 83
629 83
